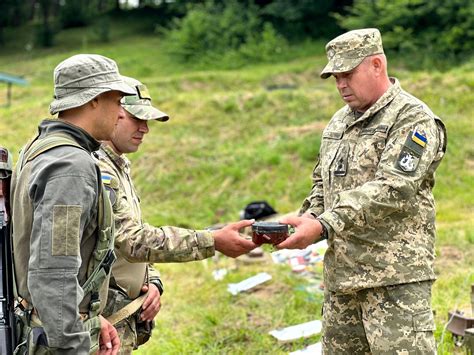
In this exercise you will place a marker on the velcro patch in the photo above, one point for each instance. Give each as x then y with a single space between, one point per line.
411 153
66 227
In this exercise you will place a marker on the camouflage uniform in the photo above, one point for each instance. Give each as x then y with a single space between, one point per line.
372 190
138 243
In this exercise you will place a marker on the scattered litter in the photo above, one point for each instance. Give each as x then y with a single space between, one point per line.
294 332
219 274
312 254
249 283
314 349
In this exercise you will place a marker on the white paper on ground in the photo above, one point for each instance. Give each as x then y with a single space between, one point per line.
302 330
314 349
249 283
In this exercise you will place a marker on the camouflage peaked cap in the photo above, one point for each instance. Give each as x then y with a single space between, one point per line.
348 50
82 77
139 104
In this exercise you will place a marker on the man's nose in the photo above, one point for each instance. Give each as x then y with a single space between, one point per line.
341 83
143 126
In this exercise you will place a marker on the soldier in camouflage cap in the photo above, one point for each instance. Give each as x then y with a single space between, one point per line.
348 50
139 244
372 199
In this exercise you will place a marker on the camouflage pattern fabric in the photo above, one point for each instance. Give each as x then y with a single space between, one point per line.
139 105
349 49
126 331
381 212
138 243
372 186
384 320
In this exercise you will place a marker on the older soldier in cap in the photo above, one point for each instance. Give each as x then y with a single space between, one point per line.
62 223
135 287
372 199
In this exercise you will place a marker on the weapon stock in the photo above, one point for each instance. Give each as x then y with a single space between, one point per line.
7 318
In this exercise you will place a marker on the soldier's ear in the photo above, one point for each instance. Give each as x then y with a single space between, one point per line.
377 64
94 102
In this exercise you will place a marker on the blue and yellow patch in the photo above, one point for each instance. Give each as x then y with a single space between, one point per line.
419 138
106 179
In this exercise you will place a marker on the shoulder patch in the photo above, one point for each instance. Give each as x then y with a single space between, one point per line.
106 179
419 137
111 194
110 180
412 151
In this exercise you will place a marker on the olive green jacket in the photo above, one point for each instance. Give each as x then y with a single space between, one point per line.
54 224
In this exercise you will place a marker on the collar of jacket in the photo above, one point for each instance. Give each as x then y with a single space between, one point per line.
120 160
383 101
84 139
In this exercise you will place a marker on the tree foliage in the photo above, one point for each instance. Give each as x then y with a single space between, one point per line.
298 19
445 29
223 32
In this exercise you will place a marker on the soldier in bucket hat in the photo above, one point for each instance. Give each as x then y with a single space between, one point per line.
372 199
62 222
139 244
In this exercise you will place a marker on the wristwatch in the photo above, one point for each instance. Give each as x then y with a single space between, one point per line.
159 285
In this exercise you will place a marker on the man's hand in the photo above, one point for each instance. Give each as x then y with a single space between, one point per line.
109 342
152 304
229 242
308 230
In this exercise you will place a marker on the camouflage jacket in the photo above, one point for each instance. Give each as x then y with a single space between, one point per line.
372 187
136 242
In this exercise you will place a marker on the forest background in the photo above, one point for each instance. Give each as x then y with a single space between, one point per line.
240 80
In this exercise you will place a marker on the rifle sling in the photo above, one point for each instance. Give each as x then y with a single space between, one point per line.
128 310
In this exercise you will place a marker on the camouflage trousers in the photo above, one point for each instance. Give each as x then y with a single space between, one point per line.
384 320
127 334
131 331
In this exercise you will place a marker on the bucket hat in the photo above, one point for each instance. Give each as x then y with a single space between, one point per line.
82 77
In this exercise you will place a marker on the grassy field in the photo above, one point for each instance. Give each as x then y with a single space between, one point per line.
236 136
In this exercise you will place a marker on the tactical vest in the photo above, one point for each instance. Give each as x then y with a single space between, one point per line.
98 270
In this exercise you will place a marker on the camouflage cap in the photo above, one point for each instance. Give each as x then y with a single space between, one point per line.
139 104
348 50
82 77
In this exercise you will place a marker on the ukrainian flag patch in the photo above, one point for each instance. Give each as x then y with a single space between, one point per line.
106 179
419 138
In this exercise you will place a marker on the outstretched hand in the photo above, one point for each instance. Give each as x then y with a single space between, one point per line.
308 230
229 242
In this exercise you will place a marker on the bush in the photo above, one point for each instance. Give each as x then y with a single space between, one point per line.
226 35
426 30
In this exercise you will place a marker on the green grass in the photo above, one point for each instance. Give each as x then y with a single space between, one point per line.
241 135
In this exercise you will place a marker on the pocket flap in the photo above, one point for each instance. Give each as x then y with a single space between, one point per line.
333 134
424 321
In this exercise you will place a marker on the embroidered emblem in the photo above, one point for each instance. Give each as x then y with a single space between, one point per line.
407 161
